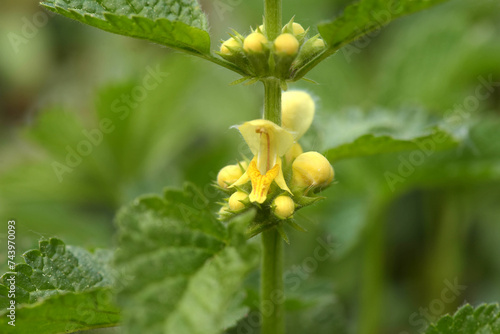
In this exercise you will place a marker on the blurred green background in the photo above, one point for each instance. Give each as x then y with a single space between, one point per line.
396 250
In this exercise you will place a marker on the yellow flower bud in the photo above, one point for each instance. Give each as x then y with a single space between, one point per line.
283 206
235 203
297 29
223 211
228 47
309 49
319 43
297 112
228 175
294 152
286 44
254 42
311 169
294 28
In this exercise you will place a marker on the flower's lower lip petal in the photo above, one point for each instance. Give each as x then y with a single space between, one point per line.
261 183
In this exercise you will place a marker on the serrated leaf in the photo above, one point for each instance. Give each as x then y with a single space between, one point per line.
359 19
182 267
179 24
365 16
476 160
60 289
355 134
484 319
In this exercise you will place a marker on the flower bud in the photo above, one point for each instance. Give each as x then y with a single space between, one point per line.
235 201
283 207
293 152
312 47
311 170
297 29
319 44
286 45
254 43
230 47
229 175
297 112
223 210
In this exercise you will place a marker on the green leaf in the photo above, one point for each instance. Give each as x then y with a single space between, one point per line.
365 16
60 289
475 161
179 24
484 319
355 134
360 19
182 268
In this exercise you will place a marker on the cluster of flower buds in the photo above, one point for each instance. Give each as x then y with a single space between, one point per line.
280 178
263 58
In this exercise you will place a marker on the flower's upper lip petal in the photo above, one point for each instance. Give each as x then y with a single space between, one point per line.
283 138
298 110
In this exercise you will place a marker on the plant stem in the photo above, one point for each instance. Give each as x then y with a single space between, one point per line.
272 17
272 103
271 283
271 289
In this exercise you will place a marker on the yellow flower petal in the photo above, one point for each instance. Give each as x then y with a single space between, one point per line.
297 112
267 141
280 180
261 183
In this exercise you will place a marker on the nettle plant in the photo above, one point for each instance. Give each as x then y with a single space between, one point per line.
179 266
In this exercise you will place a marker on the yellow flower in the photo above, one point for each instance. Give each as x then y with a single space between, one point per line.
236 201
254 43
297 29
228 175
268 143
297 112
311 170
283 206
230 47
286 45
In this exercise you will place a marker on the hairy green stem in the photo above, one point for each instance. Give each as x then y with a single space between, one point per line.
271 289
272 103
271 283
272 17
